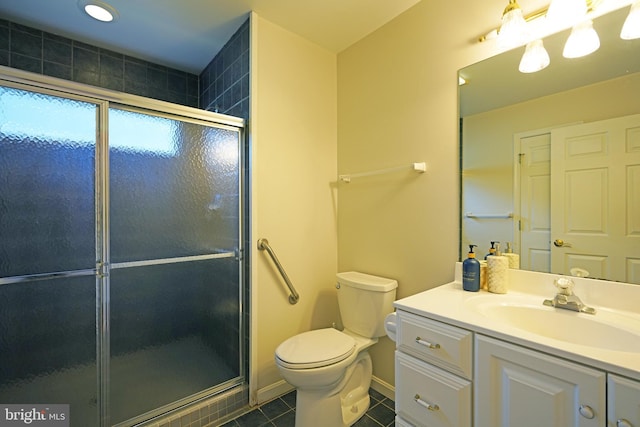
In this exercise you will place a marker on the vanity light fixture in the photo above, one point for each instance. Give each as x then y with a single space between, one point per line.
631 27
99 10
513 31
560 14
583 40
535 57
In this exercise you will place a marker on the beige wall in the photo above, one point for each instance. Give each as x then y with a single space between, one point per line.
294 155
396 97
397 104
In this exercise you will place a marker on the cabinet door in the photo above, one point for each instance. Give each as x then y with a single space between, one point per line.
427 396
623 402
515 386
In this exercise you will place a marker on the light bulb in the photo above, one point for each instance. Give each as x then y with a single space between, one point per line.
513 31
535 58
566 11
99 10
98 13
582 41
631 27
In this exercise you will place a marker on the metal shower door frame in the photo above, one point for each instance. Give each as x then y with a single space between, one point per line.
103 99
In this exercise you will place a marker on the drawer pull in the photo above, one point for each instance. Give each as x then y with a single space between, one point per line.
429 406
426 343
623 423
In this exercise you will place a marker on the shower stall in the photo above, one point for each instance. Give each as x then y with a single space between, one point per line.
121 241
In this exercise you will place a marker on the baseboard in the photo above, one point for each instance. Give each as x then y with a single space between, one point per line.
384 388
272 391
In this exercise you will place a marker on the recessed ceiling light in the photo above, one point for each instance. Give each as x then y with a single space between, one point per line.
99 10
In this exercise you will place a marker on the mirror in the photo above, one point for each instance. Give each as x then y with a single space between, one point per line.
517 134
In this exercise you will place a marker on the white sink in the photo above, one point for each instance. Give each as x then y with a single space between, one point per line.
607 329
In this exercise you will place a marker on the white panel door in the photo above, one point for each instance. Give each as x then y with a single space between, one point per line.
535 218
595 199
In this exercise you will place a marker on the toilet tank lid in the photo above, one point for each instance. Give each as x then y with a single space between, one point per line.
366 281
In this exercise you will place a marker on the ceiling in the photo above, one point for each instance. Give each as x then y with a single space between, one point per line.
187 34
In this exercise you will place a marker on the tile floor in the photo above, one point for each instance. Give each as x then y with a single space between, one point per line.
281 413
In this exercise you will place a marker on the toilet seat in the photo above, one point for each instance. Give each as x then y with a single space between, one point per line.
315 349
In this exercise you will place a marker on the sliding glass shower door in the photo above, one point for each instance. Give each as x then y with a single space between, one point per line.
49 251
120 266
174 226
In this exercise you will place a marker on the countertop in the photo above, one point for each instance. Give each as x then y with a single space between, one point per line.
450 304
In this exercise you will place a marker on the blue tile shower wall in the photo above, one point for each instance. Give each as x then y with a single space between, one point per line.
223 86
29 49
224 83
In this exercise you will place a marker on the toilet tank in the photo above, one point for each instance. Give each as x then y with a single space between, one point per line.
365 301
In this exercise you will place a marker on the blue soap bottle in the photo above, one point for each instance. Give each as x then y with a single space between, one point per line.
471 272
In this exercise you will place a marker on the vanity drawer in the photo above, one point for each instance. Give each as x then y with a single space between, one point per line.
443 345
429 396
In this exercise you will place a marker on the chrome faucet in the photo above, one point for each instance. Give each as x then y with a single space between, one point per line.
565 298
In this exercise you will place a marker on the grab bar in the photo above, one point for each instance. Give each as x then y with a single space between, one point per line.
263 245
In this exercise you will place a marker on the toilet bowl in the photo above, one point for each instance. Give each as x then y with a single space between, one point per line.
331 369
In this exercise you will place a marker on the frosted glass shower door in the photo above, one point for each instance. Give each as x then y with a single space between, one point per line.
175 278
48 252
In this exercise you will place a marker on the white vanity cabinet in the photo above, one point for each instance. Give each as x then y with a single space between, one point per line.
438 376
433 366
623 402
509 360
441 369
520 387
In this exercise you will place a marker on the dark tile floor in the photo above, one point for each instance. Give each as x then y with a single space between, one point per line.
281 413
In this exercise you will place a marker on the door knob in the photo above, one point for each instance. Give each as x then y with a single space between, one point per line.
587 412
559 243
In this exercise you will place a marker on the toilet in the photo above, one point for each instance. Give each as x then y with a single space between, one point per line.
331 369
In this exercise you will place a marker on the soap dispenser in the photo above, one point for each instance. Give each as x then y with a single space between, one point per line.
514 259
497 272
471 272
492 250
